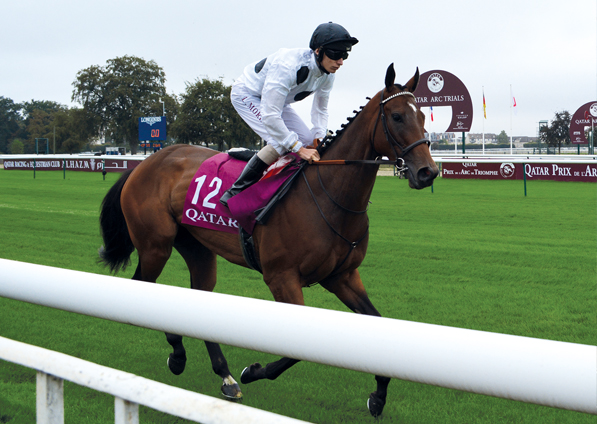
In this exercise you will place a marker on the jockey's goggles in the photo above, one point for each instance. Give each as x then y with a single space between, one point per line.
336 54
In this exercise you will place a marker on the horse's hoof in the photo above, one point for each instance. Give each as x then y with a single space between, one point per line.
375 404
231 391
248 374
176 365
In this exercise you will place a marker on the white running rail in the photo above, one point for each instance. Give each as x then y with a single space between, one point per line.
544 372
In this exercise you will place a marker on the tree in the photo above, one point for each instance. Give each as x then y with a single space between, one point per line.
74 129
10 122
120 93
67 130
558 132
16 147
206 116
46 106
38 118
502 138
37 125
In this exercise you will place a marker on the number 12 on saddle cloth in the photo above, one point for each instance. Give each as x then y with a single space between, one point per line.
216 175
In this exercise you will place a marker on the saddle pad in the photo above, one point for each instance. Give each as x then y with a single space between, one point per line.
202 207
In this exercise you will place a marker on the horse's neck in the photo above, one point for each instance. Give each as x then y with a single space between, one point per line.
355 141
354 181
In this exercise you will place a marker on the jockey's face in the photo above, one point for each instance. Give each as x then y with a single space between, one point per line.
330 65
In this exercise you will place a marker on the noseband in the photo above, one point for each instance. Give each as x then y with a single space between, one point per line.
393 143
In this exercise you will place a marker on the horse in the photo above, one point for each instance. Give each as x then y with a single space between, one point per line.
317 233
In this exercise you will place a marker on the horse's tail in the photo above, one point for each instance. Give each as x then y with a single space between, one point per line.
118 246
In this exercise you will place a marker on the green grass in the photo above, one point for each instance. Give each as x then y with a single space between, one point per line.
472 254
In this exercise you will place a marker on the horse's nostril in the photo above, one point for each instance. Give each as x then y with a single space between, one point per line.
426 174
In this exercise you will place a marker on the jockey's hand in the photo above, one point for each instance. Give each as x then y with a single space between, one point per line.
309 154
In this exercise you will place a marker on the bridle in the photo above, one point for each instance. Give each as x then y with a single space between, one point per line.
399 162
389 137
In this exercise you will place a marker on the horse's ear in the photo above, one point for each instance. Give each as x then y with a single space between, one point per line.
390 76
414 82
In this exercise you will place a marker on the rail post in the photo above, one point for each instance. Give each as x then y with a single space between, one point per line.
125 412
524 177
49 399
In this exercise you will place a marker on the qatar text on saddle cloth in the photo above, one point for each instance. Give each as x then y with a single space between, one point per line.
202 207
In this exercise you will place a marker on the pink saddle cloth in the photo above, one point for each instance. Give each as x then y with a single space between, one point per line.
202 207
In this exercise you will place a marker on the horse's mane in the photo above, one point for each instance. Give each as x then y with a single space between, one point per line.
329 139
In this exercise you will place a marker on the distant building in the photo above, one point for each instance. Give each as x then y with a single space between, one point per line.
477 138
524 140
437 137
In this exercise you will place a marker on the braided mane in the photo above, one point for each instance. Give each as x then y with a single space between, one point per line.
329 139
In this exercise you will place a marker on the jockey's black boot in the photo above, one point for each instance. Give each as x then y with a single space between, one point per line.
250 175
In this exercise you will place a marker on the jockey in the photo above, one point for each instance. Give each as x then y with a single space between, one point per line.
263 94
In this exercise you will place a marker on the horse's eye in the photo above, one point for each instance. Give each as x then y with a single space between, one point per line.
397 117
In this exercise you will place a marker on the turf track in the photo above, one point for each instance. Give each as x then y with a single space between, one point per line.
472 254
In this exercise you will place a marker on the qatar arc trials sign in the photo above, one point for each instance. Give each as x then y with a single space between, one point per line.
585 116
441 88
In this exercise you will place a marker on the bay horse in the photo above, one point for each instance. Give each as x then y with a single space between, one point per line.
318 232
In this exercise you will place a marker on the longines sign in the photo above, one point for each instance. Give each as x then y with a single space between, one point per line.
152 128
441 88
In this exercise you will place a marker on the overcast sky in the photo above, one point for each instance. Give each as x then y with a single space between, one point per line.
546 50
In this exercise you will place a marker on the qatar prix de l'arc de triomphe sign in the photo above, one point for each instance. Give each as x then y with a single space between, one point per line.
441 88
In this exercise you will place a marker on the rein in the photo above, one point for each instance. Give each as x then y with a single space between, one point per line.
352 244
400 167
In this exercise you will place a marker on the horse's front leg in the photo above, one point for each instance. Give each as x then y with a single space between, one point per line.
271 371
286 290
230 387
349 288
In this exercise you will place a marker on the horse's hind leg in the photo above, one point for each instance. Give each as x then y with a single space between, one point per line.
151 264
153 234
178 358
149 270
202 266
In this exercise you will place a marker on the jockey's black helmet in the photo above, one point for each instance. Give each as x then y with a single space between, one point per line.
332 36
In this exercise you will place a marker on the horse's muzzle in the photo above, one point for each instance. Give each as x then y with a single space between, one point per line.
423 177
